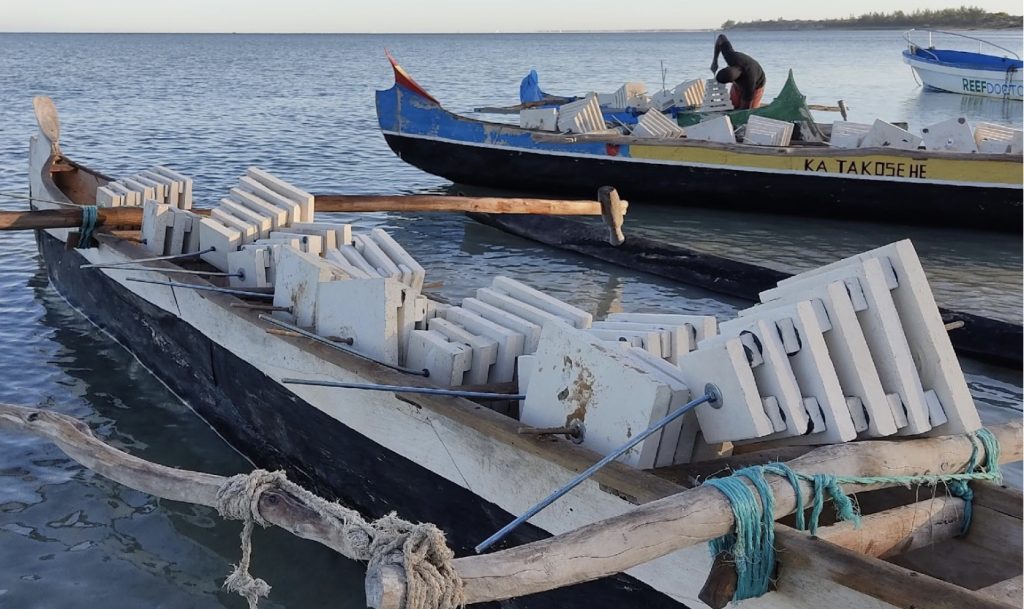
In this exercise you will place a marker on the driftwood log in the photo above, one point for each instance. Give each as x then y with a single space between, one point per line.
590 552
76 439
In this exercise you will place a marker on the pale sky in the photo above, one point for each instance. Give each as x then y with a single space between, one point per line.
286 16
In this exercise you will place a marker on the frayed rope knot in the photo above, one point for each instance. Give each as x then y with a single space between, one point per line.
420 549
751 544
239 499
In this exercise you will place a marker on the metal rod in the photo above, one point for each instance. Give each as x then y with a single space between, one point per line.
208 288
711 395
153 259
476 395
164 270
259 307
338 346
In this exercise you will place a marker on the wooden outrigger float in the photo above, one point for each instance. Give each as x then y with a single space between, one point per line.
626 536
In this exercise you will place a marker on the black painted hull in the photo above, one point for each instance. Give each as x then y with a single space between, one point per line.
932 204
277 430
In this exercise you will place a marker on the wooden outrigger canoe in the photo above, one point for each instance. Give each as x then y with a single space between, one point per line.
806 178
449 461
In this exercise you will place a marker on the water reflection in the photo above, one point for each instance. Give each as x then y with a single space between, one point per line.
935 106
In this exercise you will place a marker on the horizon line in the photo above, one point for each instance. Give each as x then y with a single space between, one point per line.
364 33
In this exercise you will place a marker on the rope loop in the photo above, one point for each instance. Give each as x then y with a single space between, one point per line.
90 213
421 549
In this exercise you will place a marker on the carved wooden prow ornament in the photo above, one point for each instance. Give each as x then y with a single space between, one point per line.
48 121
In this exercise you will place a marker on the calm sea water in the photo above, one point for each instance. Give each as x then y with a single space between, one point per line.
302 107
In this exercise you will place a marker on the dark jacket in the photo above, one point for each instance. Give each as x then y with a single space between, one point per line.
751 77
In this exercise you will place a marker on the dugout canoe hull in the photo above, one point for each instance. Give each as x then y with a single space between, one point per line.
375 452
438 459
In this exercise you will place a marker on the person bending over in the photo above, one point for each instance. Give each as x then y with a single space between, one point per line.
742 71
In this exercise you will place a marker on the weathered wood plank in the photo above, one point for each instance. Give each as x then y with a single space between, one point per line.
431 203
1009 591
900 529
819 561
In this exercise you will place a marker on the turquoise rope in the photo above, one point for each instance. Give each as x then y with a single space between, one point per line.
89 215
751 543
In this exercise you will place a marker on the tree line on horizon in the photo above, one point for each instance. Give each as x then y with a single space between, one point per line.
965 16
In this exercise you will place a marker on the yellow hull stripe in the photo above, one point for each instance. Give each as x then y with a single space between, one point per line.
900 168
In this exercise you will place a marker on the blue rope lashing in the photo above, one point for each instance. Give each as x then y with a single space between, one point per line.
784 471
90 213
751 543
961 488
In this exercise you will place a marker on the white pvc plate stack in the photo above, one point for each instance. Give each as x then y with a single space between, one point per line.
630 95
286 190
704 326
677 339
763 131
654 124
662 101
485 350
578 377
213 234
774 377
847 135
365 310
716 97
156 219
713 130
262 223
954 135
886 135
883 330
578 318
583 116
997 139
812 366
184 232
510 343
182 184
650 341
446 362
848 349
689 94
296 280
544 119
739 413
679 436
932 352
251 263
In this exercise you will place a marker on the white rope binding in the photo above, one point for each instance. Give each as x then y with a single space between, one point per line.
432 582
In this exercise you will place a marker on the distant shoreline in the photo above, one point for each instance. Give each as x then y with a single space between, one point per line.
767 27
963 18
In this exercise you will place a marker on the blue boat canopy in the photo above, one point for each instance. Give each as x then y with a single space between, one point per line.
966 59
